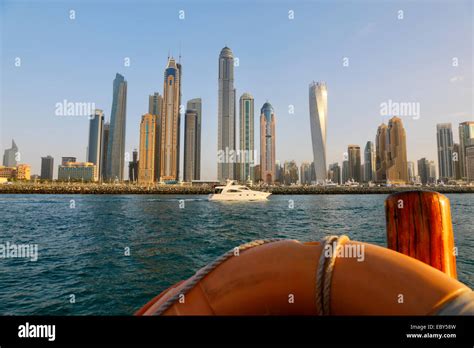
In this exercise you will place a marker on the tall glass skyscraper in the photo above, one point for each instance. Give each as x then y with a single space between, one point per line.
146 163
226 115
190 126
94 150
267 143
170 122
369 162
196 105
9 156
380 153
444 137
318 113
47 168
105 147
155 108
116 143
466 138
353 152
247 142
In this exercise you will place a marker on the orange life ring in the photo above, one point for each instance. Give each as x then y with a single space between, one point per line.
280 278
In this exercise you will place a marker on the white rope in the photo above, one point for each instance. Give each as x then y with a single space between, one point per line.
323 276
191 283
325 271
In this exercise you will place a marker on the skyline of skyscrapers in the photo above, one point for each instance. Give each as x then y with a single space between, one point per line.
171 120
267 143
226 115
116 138
318 113
384 162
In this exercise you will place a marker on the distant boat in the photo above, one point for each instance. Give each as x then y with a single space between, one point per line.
351 183
234 192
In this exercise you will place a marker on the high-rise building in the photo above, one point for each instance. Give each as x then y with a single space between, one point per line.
226 115
146 163
444 137
190 129
432 172
196 105
94 149
105 147
170 123
133 167
267 143
291 172
424 170
396 155
369 162
335 173
411 172
65 160
353 153
10 156
305 173
116 141
380 153
155 107
278 172
318 113
345 171
466 138
247 145
456 162
155 104
470 163
47 168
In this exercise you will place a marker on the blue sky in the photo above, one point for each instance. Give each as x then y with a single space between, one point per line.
407 60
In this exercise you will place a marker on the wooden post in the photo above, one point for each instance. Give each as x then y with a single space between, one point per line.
419 225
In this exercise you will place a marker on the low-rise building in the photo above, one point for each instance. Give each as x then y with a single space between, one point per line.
78 171
20 172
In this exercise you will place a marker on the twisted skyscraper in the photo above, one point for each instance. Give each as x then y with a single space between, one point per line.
318 113
116 138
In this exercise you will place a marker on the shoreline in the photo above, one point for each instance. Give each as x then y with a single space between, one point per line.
95 189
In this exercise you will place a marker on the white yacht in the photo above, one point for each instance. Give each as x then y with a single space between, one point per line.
234 192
